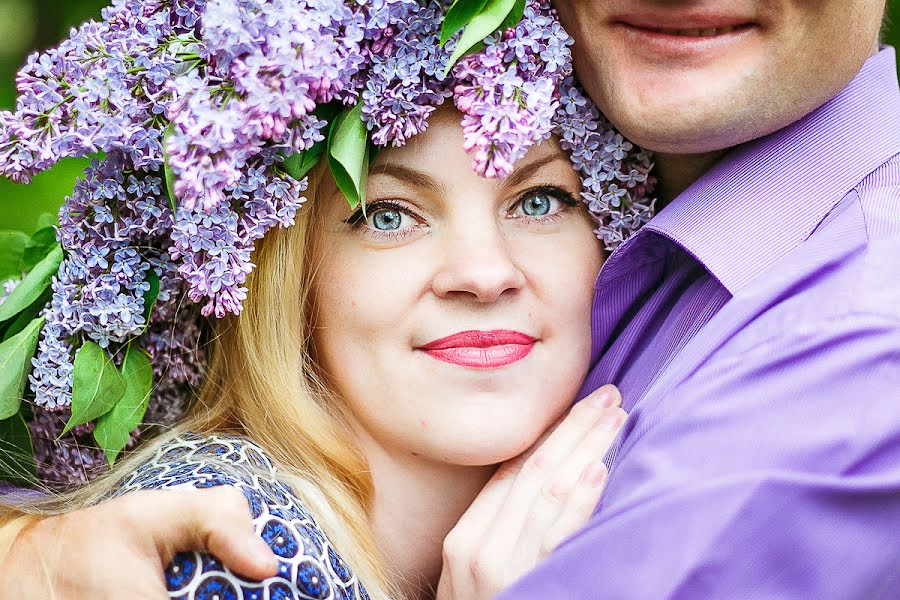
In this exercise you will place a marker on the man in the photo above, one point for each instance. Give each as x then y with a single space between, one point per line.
753 326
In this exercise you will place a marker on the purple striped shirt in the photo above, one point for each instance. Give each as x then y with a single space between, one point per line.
754 330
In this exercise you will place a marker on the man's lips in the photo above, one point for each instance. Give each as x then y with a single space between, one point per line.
681 36
481 349
704 22
693 31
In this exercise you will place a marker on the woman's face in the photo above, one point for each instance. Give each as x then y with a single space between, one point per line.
454 317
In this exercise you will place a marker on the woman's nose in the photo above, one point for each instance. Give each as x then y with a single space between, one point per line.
478 263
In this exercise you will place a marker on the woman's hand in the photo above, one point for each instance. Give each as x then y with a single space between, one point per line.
118 549
532 503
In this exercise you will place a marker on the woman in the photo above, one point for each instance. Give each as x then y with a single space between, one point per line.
415 323
447 330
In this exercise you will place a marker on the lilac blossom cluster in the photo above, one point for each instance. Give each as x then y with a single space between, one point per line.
268 64
213 245
405 82
615 176
205 98
509 92
63 461
101 90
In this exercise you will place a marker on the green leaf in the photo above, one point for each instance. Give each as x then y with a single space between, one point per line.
348 154
297 165
38 246
458 16
15 365
150 295
486 22
114 428
16 452
167 168
46 220
22 319
514 16
96 385
33 285
12 248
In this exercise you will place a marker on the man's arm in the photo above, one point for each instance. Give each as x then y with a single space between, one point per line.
773 472
119 548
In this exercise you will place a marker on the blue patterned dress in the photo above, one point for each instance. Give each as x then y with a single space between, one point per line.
309 566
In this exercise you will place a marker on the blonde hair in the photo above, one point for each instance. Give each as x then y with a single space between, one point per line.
263 382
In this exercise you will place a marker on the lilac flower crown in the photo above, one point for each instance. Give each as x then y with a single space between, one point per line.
208 114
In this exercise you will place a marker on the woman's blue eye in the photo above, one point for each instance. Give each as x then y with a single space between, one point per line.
537 205
542 202
386 219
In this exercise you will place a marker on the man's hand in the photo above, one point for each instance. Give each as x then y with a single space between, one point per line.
532 503
118 549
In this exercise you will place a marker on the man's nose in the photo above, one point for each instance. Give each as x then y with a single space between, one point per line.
478 262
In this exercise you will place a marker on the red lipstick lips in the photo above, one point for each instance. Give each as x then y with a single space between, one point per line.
481 349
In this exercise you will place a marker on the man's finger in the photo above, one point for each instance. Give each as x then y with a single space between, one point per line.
217 520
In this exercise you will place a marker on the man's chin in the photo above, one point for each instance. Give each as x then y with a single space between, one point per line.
684 109
690 119
676 132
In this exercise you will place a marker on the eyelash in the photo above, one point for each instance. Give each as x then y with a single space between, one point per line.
357 220
564 196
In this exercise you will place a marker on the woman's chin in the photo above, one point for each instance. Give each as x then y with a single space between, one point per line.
478 449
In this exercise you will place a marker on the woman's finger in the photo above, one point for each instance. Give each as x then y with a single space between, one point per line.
579 507
593 446
540 469
473 526
555 448
555 496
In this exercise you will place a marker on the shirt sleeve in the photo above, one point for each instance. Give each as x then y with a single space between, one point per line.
773 472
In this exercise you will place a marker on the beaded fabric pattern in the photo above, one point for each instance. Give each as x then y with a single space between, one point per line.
310 568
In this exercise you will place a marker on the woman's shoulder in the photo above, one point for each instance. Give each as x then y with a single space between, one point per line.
309 564
202 461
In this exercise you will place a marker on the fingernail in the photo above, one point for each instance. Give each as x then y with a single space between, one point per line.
616 419
595 474
262 554
602 398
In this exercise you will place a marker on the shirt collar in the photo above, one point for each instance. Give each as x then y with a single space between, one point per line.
767 196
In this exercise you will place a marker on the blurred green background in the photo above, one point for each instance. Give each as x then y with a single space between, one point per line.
26 25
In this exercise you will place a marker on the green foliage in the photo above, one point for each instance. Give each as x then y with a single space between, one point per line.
348 154
297 165
479 23
16 452
15 365
12 249
458 16
96 385
114 428
168 172
39 245
32 286
150 295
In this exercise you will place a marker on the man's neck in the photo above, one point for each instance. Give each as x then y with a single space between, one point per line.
417 502
676 172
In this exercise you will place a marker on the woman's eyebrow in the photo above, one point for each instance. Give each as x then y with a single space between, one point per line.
410 176
522 173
